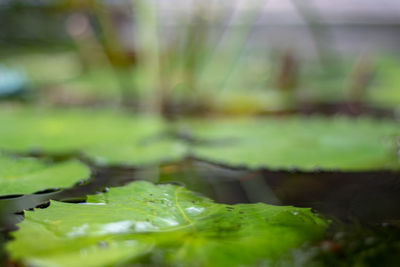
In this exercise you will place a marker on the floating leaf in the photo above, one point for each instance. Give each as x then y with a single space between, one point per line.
29 175
302 143
137 153
105 136
163 224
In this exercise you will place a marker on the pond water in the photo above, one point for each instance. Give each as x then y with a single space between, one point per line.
362 205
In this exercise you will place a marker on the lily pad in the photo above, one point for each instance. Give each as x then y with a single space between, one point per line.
105 136
29 175
161 225
131 153
305 143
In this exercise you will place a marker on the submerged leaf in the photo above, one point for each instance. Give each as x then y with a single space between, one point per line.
160 225
301 143
29 175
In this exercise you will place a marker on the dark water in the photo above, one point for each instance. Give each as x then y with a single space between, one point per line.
367 196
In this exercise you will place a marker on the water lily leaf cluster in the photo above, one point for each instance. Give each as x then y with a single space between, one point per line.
28 175
161 225
112 138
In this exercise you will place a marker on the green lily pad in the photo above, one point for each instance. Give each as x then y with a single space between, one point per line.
161 225
305 143
105 136
117 153
29 175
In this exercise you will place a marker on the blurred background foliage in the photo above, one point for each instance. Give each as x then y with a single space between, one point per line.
201 57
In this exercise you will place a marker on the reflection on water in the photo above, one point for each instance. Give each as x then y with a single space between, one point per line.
368 196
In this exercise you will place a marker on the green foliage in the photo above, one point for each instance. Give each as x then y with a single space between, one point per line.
97 85
327 84
131 153
303 143
163 224
386 89
39 65
121 139
29 175
109 137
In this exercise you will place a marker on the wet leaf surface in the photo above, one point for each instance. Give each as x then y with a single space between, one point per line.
160 224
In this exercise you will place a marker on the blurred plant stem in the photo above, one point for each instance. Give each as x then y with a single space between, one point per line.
94 52
233 43
360 79
186 63
320 33
113 49
148 65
